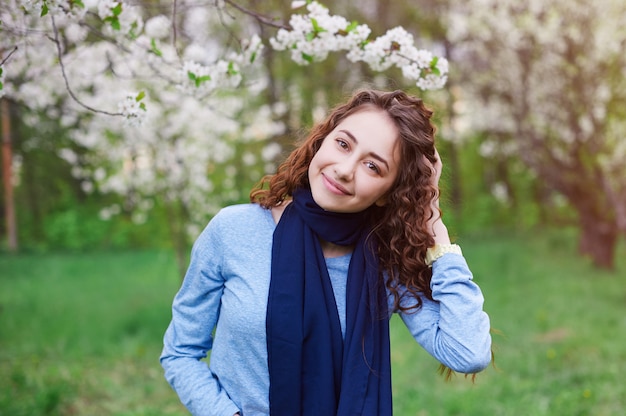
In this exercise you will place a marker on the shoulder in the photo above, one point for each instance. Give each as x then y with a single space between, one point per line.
234 215
241 212
243 218
235 224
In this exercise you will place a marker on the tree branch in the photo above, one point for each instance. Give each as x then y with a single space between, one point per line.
8 56
260 18
174 28
57 42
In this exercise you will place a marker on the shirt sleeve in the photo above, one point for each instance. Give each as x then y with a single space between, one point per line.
453 327
189 335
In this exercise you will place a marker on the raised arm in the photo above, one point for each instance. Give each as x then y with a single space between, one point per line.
453 326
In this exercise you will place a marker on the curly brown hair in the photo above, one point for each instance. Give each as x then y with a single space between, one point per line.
400 228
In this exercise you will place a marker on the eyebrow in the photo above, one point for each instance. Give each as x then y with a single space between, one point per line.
374 155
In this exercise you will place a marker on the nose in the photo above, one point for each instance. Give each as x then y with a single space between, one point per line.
344 170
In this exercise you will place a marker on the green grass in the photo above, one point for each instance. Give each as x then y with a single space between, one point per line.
562 348
80 334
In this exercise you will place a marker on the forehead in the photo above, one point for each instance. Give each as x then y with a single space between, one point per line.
372 127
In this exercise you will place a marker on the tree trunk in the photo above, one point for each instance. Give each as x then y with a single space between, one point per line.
7 175
598 240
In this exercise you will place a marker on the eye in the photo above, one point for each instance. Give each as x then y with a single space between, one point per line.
372 166
342 143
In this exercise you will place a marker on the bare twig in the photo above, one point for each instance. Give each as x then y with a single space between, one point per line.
8 56
57 42
174 28
97 33
262 19
231 33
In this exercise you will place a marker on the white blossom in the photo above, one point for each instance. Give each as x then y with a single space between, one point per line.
132 109
87 186
271 151
158 27
500 193
248 159
74 33
105 8
68 155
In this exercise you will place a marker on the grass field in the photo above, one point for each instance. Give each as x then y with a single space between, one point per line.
80 334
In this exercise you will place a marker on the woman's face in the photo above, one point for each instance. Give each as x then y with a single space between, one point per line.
357 163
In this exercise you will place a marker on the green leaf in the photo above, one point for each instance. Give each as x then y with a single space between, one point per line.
44 9
115 22
433 66
198 80
1 86
133 30
77 3
140 96
202 79
307 57
231 69
143 106
352 26
252 57
154 49
1 70
316 27
310 36
117 10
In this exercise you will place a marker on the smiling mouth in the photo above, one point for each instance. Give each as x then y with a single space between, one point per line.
334 187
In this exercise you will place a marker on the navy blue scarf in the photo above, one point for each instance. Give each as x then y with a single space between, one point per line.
313 371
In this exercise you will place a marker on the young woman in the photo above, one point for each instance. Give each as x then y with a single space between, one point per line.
292 293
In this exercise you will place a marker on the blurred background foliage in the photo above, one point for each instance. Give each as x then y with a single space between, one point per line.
56 212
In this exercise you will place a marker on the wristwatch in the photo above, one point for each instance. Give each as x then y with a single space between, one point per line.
438 250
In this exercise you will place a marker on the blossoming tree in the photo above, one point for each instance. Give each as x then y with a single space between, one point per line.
546 80
167 97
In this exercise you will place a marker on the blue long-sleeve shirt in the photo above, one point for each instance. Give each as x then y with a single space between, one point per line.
221 308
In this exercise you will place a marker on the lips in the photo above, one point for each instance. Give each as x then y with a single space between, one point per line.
334 187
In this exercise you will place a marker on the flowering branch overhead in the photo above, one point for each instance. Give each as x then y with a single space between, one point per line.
309 37
69 90
312 36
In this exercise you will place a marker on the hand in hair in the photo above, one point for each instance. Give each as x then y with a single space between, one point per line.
439 230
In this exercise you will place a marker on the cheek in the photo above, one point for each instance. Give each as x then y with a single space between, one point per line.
310 172
385 189
312 166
